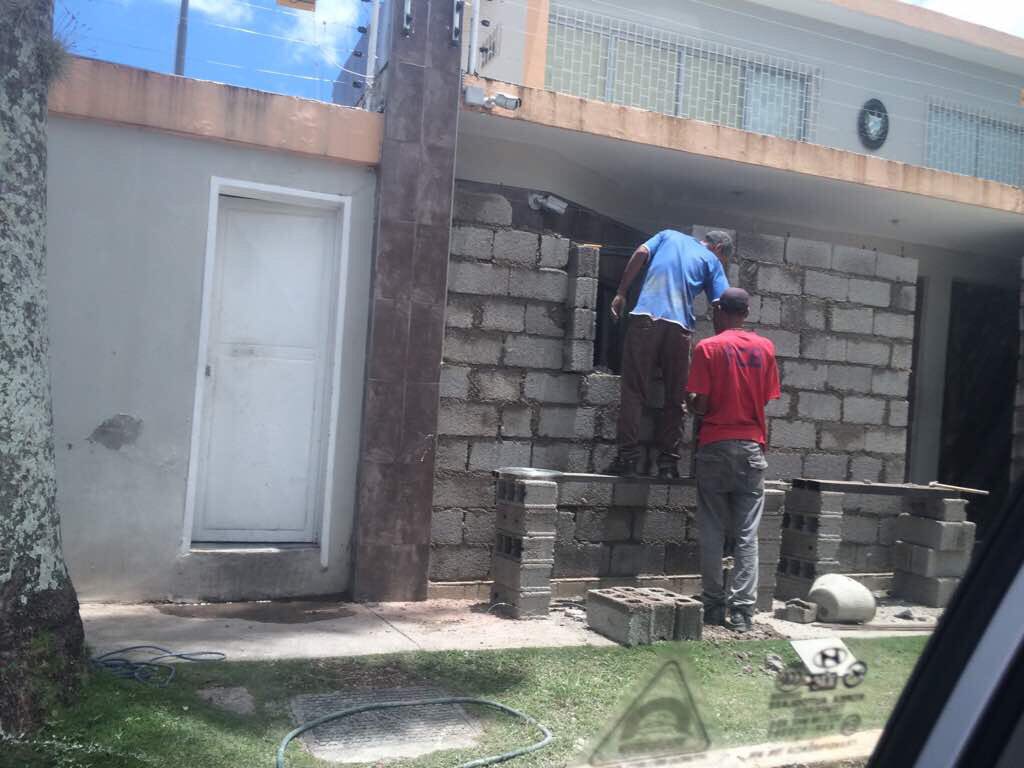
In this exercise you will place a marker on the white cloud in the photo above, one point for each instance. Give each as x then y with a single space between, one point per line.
1004 15
222 11
330 29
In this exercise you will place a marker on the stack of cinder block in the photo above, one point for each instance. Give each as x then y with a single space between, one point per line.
769 543
811 528
640 616
524 550
933 549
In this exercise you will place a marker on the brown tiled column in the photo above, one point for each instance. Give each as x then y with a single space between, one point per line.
392 540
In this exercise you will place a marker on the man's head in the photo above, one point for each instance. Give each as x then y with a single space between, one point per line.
720 244
731 309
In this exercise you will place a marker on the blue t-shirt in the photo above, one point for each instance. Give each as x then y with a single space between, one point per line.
679 269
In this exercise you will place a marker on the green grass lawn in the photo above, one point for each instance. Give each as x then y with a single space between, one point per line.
574 691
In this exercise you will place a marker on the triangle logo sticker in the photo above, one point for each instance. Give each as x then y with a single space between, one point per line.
662 722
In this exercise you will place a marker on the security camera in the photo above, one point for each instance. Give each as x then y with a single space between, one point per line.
548 203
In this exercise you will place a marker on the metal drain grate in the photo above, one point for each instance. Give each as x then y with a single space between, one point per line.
386 734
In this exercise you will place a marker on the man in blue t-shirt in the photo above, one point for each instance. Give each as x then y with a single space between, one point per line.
661 324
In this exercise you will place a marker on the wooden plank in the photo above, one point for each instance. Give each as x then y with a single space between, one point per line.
882 489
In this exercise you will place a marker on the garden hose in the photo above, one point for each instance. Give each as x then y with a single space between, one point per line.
153 671
157 672
479 763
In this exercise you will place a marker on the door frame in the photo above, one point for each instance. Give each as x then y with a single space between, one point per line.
342 205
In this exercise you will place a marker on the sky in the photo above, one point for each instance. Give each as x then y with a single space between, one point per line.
1004 15
259 44
253 43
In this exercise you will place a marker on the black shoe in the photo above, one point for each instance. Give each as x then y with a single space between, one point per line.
668 472
622 467
740 620
714 616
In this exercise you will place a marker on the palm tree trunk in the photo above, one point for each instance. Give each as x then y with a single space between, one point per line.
41 642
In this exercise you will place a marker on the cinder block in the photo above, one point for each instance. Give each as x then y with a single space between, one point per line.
540 284
818 406
578 355
789 587
582 324
663 612
868 352
583 293
897 268
852 320
889 382
808 253
778 280
478 277
792 434
872 293
855 261
552 387
482 207
689 619
923 561
894 326
525 549
768 552
810 546
554 251
825 286
602 389
525 604
807 502
860 529
501 315
533 352
519 576
934 592
935 534
522 520
585 260
474 242
863 410
583 494
620 615
794 567
765 600
798 611
946 510
774 501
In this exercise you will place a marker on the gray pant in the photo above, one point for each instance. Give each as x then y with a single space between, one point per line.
730 499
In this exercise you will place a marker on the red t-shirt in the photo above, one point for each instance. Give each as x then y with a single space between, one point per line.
737 371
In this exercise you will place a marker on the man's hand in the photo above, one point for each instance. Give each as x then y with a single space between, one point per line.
617 304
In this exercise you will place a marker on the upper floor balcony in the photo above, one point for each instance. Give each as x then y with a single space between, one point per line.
907 89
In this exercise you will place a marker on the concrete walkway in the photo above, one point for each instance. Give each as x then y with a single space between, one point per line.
302 630
323 629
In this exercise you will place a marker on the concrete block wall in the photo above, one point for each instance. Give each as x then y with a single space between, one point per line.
518 389
842 320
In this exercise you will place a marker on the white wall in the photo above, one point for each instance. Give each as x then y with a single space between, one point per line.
128 212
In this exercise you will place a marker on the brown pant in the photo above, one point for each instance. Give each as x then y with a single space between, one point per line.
653 344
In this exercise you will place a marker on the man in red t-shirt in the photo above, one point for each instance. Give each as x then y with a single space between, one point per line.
733 375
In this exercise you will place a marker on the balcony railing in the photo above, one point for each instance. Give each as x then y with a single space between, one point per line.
600 57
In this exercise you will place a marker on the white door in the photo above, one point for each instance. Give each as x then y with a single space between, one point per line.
265 389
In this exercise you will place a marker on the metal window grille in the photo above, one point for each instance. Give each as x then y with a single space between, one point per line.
610 59
974 143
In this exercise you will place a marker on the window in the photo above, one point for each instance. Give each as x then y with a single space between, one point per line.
975 145
600 57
